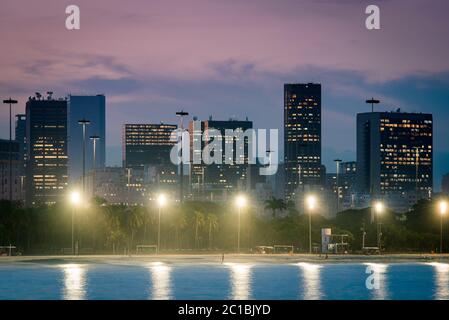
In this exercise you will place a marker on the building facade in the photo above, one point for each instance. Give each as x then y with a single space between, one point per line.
302 138
147 144
91 108
445 184
46 131
10 171
395 154
209 180
20 137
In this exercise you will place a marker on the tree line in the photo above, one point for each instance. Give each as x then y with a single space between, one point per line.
196 226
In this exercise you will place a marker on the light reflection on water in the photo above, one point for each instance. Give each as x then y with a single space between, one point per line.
311 281
441 280
161 282
224 281
240 281
74 282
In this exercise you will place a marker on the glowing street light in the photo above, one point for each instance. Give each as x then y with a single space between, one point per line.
379 206
379 209
443 209
311 202
240 202
161 202
75 200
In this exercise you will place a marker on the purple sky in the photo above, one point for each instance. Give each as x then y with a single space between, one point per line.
231 58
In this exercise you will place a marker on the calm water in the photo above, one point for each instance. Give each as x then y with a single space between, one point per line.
227 281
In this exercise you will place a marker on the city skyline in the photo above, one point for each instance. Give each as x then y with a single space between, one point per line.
238 68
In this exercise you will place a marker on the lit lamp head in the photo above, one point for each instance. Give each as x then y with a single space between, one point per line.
379 206
311 202
443 207
240 201
161 200
75 198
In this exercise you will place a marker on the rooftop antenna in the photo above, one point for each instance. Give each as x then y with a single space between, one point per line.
372 101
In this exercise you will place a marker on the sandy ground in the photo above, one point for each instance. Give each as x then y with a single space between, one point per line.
228 258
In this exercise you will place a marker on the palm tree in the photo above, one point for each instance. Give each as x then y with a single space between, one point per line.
136 219
274 204
212 220
199 222
179 223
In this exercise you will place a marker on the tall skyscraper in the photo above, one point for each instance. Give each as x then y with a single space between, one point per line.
445 184
394 153
302 138
219 177
91 108
46 169
147 144
5 147
20 137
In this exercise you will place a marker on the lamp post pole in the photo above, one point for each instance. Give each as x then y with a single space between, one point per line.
94 165
443 208
311 203
337 162
372 102
84 123
10 102
181 114
161 200
73 230
159 231
310 230
441 233
238 230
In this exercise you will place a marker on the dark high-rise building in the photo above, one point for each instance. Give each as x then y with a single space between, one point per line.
46 131
302 137
5 183
224 176
394 153
445 184
20 137
91 108
147 144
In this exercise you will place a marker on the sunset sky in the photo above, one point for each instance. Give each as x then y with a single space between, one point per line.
230 58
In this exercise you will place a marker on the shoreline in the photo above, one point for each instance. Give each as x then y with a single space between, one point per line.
228 258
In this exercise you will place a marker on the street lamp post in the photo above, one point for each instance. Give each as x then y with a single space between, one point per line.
75 199
337 162
10 102
240 202
181 114
372 102
379 207
161 201
94 140
443 210
311 204
84 123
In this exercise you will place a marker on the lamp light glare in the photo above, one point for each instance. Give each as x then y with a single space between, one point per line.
443 207
240 201
161 200
75 198
311 202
